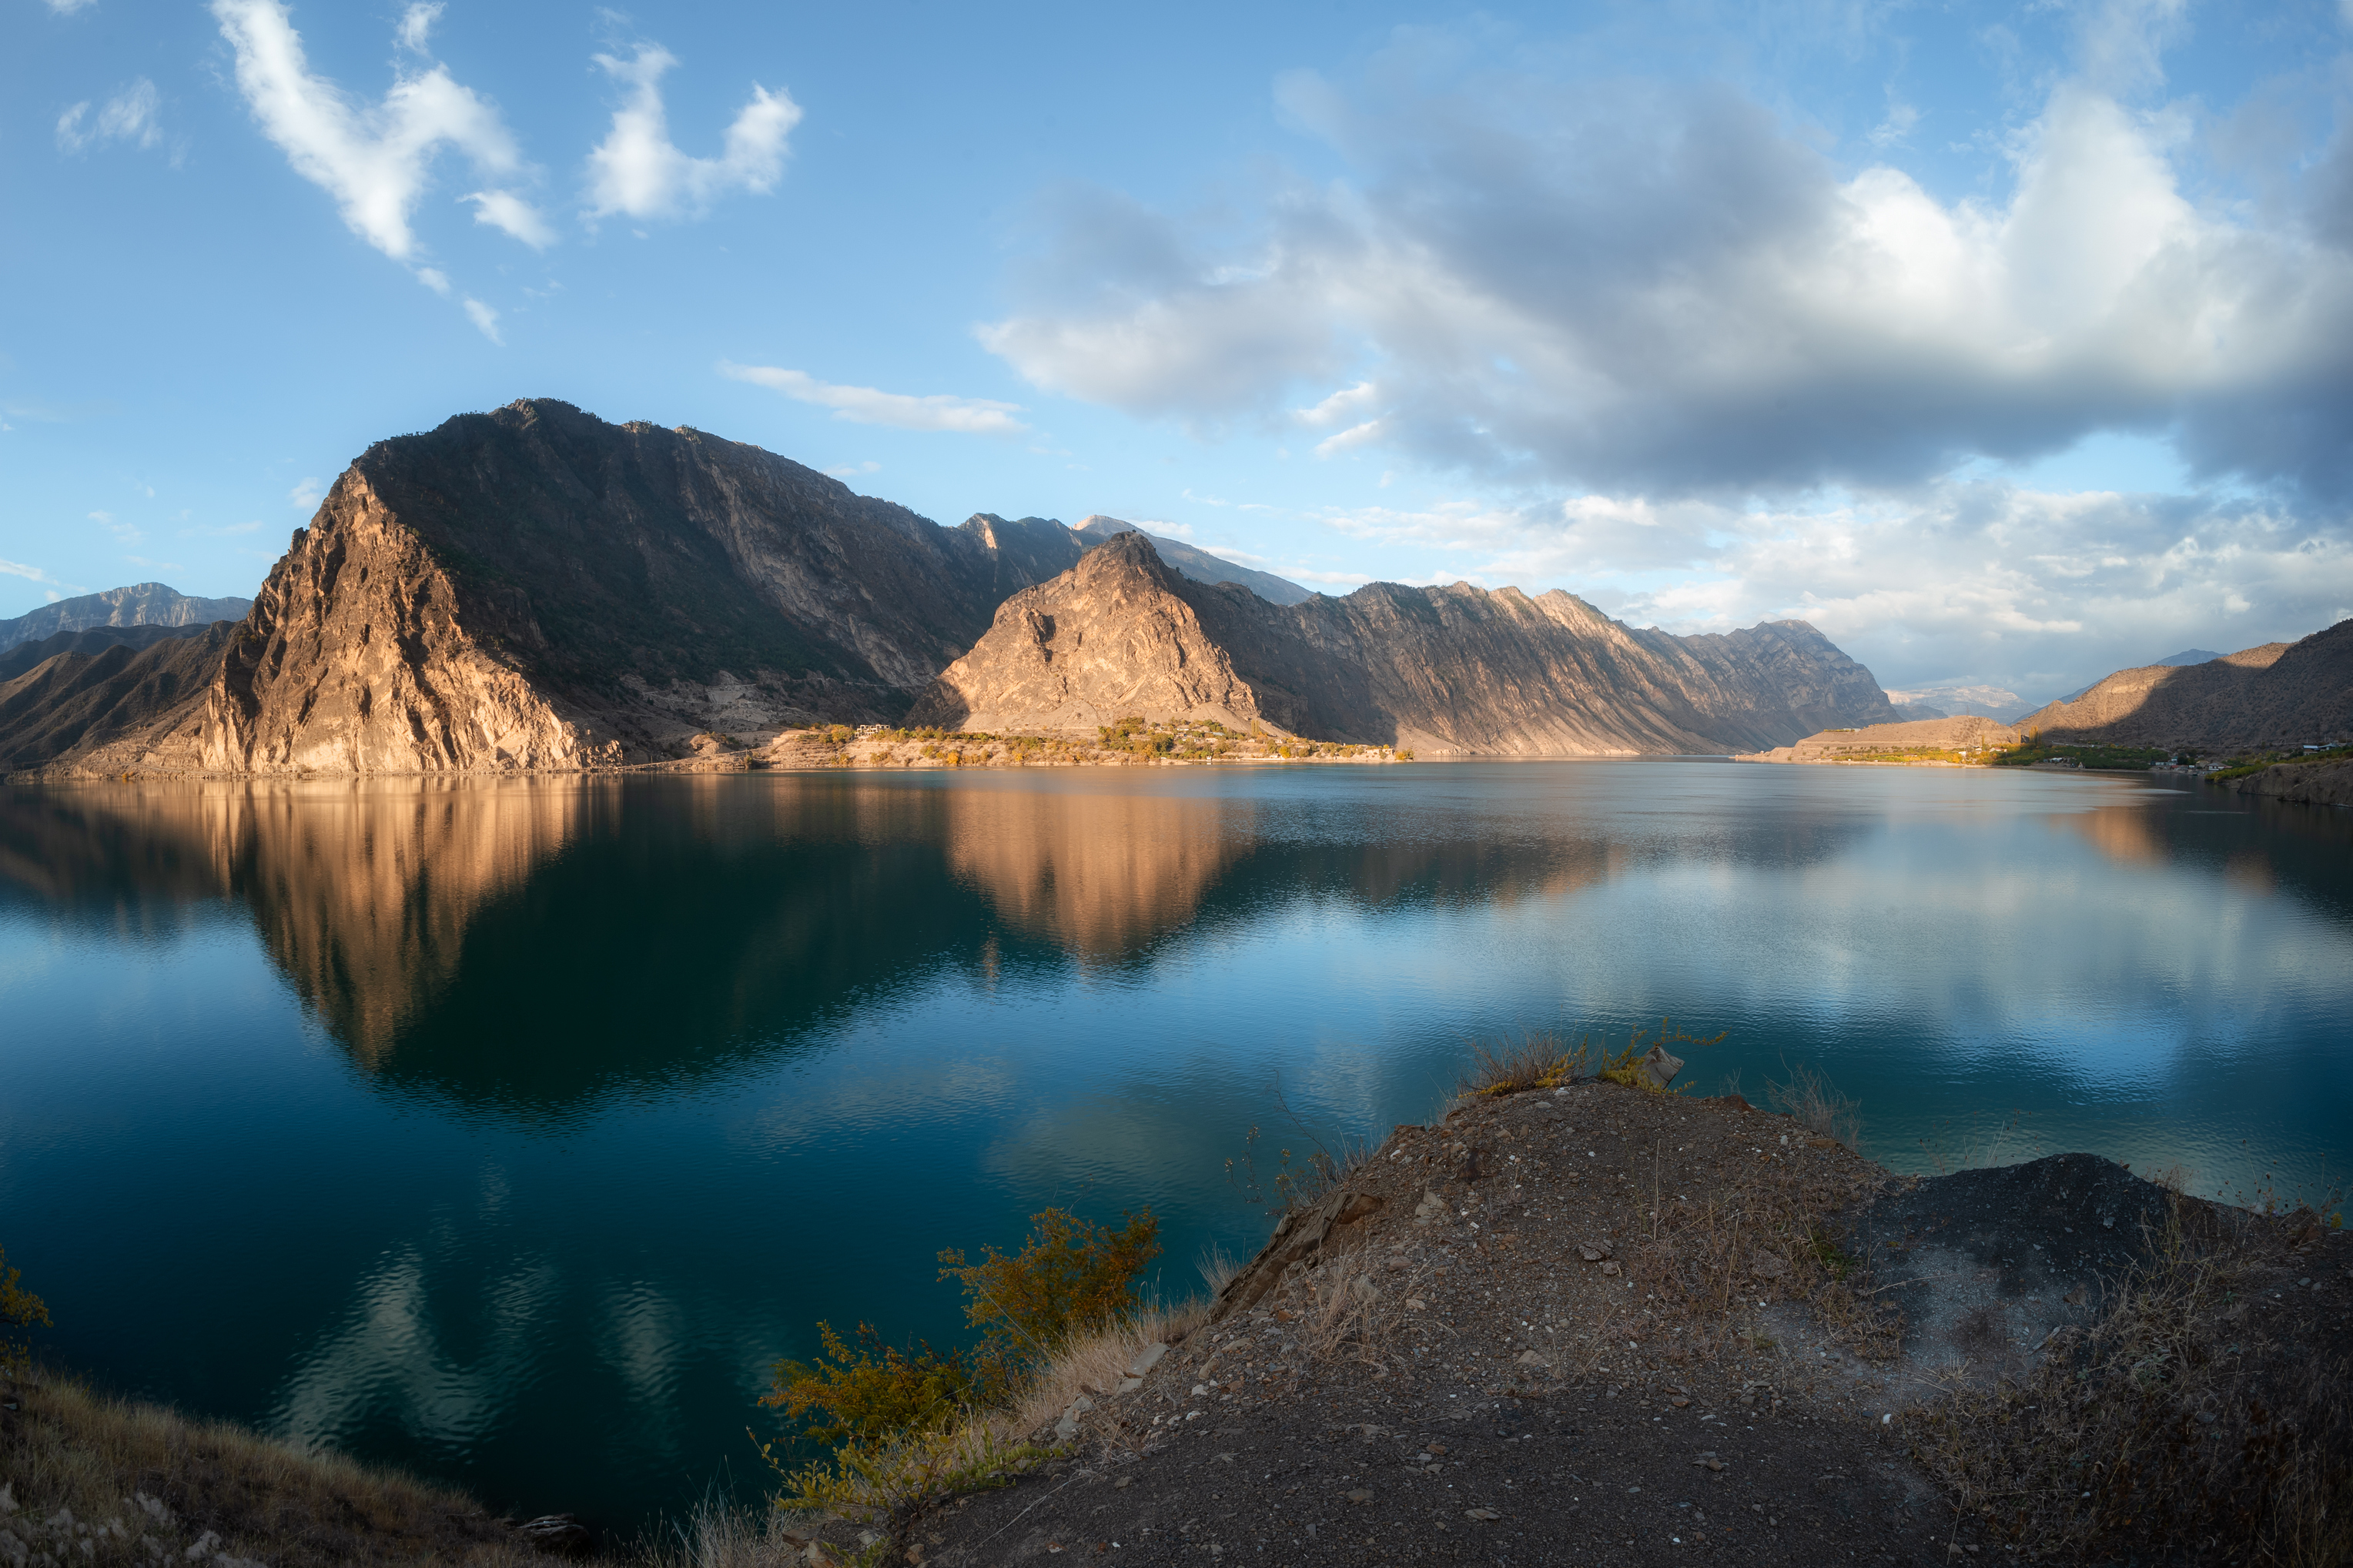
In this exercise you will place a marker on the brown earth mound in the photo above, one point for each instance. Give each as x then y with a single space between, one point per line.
1604 1325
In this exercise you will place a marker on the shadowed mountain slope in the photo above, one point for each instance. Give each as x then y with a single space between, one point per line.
1443 671
82 702
2278 694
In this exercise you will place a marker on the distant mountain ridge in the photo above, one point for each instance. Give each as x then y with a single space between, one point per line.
1452 670
1199 564
139 604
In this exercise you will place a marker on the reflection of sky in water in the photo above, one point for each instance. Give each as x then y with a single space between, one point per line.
531 1124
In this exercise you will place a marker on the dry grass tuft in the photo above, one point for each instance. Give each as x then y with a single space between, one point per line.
2177 1426
1536 1061
119 1482
1809 1100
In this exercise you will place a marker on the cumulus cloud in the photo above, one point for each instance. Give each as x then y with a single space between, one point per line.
375 160
637 170
1664 290
132 115
865 405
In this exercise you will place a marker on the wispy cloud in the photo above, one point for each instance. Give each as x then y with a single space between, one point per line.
637 170
509 212
374 159
132 115
865 405
67 7
306 494
36 575
852 470
123 532
486 319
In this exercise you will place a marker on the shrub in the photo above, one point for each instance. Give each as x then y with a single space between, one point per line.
21 1308
1071 1276
875 1391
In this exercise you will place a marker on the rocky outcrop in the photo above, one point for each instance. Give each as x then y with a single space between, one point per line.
2328 782
139 604
1970 733
2277 694
1456 670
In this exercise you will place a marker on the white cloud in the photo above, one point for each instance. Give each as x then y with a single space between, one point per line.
373 159
123 532
506 211
35 575
865 405
306 494
132 115
485 319
1897 127
433 278
853 470
638 171
67 7
417 26
1661 289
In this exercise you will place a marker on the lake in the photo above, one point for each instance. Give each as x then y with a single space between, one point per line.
510 1131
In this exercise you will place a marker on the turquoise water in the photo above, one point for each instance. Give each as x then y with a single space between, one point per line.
512 1131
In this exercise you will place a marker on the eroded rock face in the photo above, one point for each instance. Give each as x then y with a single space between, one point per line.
1114 635
355 660
1452 670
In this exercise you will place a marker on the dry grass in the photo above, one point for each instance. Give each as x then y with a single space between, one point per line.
1094 1363
118 1482
1534 1061
1809 1100
2183 1424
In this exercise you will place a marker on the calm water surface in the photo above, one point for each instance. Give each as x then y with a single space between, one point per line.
512 1131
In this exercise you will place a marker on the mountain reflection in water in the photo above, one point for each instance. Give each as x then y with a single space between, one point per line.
522 1123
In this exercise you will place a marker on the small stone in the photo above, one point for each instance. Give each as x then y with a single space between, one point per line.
1611 1270
1481 1514
1400 1262
1660 1067
1416 1304
1360 1496
1593 1251
1149 1357
1678 1401
560 1533
1768 1265
1123 1482
1127 1386
1537 1358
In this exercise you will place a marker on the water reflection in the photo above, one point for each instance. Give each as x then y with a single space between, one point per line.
597 1094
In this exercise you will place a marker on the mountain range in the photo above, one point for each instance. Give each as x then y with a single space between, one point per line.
535 588
139 604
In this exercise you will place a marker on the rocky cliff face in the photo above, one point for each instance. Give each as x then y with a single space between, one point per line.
2278 694
1450 670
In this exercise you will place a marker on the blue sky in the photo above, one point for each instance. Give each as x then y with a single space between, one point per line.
2007 344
